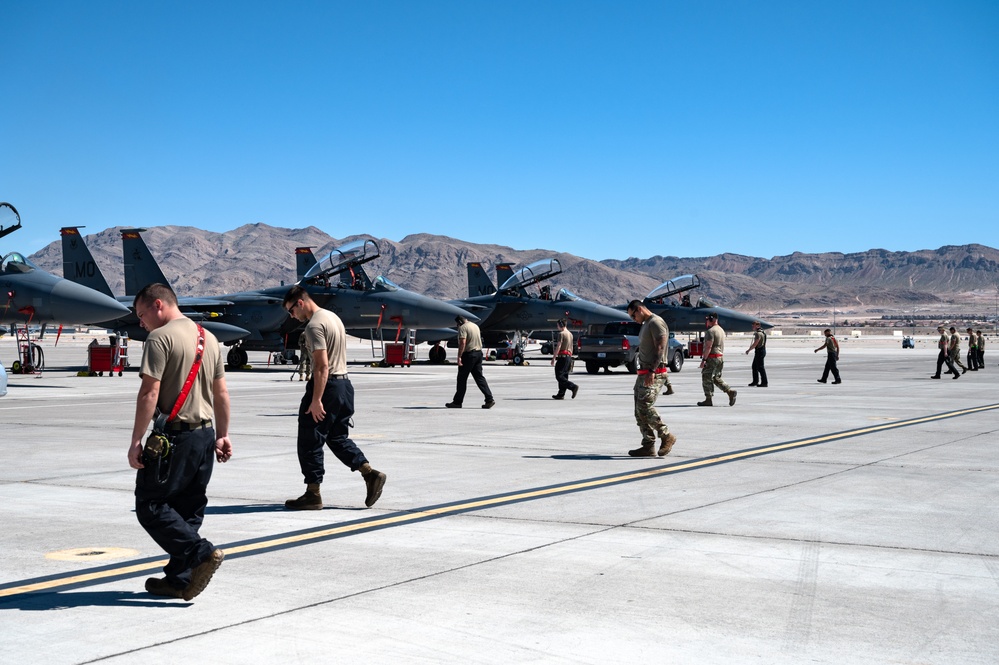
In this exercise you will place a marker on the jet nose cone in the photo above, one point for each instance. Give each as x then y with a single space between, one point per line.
73 303
452 311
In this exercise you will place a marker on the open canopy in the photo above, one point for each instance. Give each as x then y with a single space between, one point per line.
536 272
343 258
673 287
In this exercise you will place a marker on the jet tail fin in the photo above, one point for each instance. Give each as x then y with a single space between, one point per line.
304 259
141 269
78 263
478 281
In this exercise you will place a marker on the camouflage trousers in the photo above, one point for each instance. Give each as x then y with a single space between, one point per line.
649 422
711 376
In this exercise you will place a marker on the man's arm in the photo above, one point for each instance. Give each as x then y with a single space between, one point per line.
220 398
708 343
320 374
145 407
462 341
661 344
756 342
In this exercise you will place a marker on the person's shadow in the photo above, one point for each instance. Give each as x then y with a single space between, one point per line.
62 600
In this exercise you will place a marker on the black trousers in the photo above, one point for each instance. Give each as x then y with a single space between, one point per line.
562 364
759 371
471 363
981 357
171 511
973 359
338 401
830 367
944 357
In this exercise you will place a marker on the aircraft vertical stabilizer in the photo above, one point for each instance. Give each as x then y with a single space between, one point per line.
78 263
304 259
141 269
478 281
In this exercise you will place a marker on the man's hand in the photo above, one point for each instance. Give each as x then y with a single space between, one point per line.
135 455
223 449
648 379
459 360
317 411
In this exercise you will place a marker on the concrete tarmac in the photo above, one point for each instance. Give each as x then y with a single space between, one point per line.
851 523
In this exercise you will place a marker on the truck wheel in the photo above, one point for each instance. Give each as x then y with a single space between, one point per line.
592 367
632 365
546 348
677 363
518 359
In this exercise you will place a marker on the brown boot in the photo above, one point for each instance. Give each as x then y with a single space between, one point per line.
202 574
667 444
311 500
648 449
669 389
706 402
731 397
374 481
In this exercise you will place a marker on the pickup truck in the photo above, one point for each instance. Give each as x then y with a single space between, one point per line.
617 345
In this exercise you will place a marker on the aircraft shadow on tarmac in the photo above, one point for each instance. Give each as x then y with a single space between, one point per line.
44 601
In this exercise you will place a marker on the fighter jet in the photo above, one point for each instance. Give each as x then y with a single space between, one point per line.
683 316
336 283
79 266
512 310
31 295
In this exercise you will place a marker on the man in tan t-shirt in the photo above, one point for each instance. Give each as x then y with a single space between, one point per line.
713 361
170 489
562 359
470 363
327 405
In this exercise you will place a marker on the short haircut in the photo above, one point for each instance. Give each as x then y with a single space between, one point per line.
711 317
460 320
560 323
953 329
634 305
156 291
827 330
296 293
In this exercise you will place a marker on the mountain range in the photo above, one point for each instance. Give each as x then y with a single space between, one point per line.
202 263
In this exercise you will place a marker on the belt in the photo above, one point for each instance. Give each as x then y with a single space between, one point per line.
660 370
181 426
565 353
337 377
715 355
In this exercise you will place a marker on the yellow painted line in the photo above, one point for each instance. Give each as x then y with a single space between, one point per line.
478 504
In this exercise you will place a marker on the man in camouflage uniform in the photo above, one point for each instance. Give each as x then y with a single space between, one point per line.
955 349
944 356
712 362
653 342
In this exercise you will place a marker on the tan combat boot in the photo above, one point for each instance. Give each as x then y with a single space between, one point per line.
706 402
311 500
648 449
731 397
667 444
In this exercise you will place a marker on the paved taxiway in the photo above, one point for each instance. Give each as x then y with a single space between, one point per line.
524 533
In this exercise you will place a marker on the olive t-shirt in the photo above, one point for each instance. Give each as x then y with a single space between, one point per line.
168 355
652 331
325 331
470 332
717 336
564 342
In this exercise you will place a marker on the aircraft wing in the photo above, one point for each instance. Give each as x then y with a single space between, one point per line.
203 302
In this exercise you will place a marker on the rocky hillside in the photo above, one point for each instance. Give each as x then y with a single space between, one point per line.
206 263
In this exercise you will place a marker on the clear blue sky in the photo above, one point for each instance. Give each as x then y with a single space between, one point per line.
604 129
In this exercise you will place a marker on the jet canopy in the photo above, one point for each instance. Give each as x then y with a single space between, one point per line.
10 221
383 283
536 272
344 258
565 295
14 264
673 287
